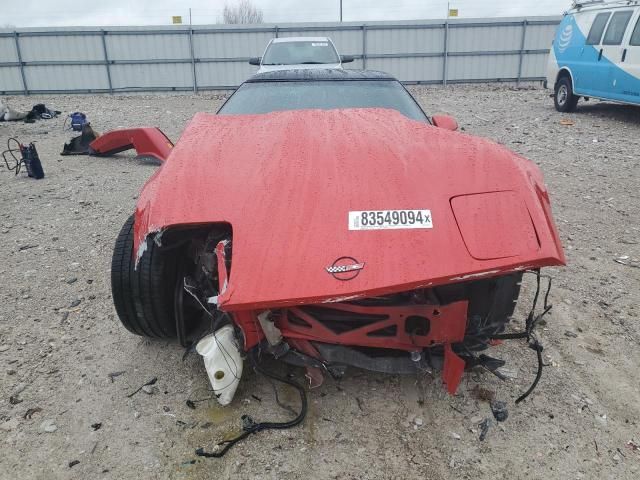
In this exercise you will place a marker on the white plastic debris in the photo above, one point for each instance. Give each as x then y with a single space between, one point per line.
223 362
273 334
49 426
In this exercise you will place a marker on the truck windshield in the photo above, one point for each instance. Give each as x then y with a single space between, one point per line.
296 53
265 97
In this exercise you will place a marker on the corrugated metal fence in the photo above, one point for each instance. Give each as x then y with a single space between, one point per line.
182 58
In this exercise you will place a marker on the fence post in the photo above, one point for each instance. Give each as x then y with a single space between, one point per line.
106 60
522 44
445 63
24 78
275 29
193 61
364 46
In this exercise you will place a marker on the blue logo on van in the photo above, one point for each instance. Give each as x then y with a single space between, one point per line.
564 38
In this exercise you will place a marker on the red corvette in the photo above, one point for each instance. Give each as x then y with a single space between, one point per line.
326 219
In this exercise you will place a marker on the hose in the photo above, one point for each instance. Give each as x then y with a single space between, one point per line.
249 426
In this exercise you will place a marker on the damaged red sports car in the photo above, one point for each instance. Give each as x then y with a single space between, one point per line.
321 216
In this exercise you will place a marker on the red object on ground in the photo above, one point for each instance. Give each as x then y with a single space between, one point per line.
148 142
286 181
452 370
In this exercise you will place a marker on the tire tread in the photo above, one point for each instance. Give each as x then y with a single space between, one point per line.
143 296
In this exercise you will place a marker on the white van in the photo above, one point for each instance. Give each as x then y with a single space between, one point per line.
596 54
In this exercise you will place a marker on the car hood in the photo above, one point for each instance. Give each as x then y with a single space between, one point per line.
300 66
286 182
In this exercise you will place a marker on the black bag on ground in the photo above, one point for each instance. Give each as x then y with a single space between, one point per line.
80 145
32 161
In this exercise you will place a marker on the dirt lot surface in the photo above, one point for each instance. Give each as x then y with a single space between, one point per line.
64 353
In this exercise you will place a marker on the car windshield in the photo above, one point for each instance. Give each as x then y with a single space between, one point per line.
265 97
295 53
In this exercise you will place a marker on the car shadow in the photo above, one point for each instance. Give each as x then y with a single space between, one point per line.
624 113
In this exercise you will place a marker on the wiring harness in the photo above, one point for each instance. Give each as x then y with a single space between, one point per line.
529 331
17 154
249 426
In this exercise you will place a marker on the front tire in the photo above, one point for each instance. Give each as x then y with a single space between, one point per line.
144 296
564 99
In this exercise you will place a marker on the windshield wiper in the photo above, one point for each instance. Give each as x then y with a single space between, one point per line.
315 63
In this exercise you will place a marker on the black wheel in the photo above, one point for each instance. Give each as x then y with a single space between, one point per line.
144 296
564 99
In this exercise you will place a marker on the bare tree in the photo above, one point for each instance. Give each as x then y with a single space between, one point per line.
242 12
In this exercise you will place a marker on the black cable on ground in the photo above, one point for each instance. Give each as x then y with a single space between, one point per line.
249 426
12 151
538 348
529 334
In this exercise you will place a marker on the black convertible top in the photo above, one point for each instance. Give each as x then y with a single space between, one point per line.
318 74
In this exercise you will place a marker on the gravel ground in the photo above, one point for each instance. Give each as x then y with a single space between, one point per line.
67 366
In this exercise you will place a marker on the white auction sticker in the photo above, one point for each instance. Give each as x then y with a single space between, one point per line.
389 219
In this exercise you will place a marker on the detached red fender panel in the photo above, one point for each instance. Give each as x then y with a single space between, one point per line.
291 183
147 141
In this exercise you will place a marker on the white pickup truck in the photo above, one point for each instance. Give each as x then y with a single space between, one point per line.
300 53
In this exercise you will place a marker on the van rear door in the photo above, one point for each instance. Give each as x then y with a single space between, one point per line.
628 77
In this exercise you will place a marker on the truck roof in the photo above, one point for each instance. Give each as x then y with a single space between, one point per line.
300 39
591 5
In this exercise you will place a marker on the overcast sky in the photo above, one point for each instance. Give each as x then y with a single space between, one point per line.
42 13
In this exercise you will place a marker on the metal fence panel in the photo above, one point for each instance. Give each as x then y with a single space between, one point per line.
151 76
534 64
11 80
424 70
223 74
357 64
408 41
488 67
210 57
8 50
65 77
231 44
539 36
148 47
485 38
59 48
